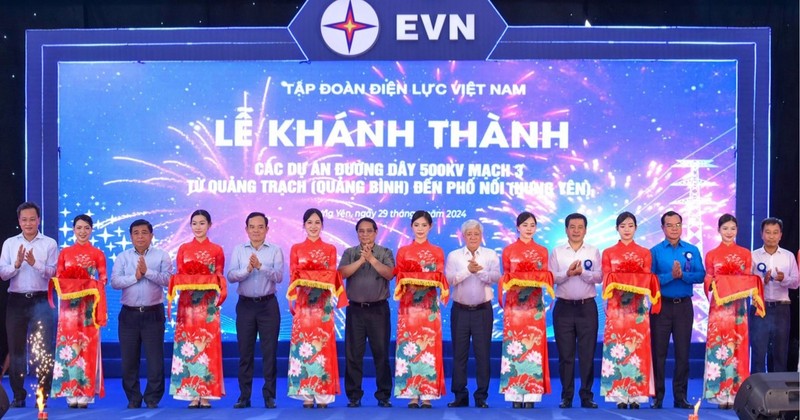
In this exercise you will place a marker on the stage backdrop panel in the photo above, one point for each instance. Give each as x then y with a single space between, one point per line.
466 118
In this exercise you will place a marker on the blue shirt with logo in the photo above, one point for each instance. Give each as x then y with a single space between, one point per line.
664 255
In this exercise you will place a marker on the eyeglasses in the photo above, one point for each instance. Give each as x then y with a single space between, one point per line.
366 231
676 225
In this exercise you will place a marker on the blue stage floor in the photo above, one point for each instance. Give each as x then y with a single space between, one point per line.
113 407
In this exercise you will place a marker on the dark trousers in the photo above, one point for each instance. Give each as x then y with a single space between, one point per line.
30 318
142 329
3 334
365 323
575 322
262 318
675 319
475 324
769 338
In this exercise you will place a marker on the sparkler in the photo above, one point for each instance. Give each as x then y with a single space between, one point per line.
694 416
43 362
40 403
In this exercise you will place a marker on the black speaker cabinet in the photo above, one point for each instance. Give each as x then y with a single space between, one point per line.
769 396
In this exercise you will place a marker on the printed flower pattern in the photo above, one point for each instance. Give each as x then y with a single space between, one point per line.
197 349
630 263
410 350
177 366
428 358
626 343
294 367
204 256
191 376
725 337
524 345
313 368
400 368
75 369
70 374
316 259
87 262
419 368
727 347
418 361
527 261
712 371
607 369
625 370
635 361
310 358
524 348
514 348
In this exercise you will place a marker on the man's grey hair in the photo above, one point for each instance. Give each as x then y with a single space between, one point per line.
471 224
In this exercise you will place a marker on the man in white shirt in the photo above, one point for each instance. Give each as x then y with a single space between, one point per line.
471 272
769 336
141 273
576 270
28 261
257 267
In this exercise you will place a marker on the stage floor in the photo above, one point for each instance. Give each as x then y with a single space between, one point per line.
113 406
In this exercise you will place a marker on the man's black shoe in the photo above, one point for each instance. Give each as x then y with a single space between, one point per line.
683 404
657 404
354 403
385 403
458 403
481 404
565 403
588 404
529 405
134 404
152 405
18 403
269 402
242 404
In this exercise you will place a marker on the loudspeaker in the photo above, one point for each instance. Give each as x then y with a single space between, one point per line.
769 396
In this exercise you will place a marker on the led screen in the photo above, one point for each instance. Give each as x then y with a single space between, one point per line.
462 139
